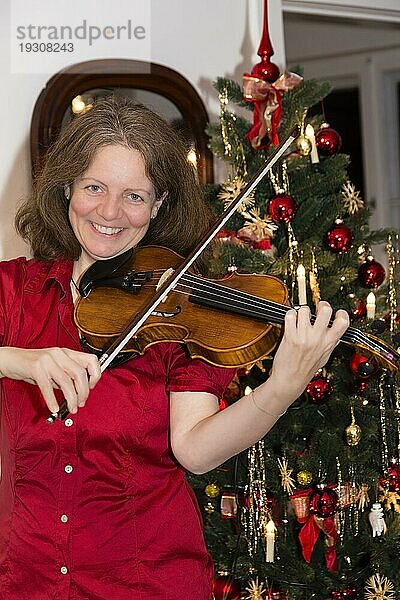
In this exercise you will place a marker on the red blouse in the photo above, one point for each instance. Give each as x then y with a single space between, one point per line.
95 507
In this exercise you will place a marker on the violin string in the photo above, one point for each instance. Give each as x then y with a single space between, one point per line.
352 334
279 309
262 312
257 303
261 307
236 296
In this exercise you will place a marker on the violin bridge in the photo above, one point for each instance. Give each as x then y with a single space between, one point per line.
166 275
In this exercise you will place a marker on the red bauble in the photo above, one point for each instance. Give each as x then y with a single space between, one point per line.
262 244
371 274
226 588
346 594
362 367
360 387
328 140
394 477
274 594
266 70
349 594
339 237
324 502
282 208
359 309
319 389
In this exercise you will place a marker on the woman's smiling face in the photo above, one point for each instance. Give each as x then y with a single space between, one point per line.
111 204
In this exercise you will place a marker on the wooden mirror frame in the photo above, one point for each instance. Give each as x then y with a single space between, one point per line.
57 96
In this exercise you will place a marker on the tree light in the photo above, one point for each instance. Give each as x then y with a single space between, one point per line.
192 157
78 105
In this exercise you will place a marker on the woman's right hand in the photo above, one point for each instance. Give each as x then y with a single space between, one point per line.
74 373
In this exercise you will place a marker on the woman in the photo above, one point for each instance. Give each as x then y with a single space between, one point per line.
96 506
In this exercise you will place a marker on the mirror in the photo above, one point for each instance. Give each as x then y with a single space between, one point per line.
162 89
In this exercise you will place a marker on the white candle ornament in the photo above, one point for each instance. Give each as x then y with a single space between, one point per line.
270 530
301 283
371 304
314 151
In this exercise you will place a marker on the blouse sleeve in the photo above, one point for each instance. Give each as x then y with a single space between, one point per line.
10 278
195 375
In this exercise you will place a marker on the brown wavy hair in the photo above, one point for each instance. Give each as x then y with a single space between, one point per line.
42 220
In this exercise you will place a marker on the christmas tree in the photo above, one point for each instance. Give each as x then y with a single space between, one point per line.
313 509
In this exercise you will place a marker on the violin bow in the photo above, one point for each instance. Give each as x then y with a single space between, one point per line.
137 321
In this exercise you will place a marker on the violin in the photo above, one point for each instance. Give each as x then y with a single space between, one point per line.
229 322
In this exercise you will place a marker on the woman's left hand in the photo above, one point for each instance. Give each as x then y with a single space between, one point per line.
305 348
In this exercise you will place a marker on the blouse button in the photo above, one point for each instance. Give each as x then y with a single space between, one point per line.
68 422
64 518
64 570
68 469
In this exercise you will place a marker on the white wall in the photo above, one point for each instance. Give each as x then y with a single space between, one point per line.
311 37
383 10
200 39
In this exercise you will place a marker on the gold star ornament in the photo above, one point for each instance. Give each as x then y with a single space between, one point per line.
255 590
351 198
231 189
287 480
379 588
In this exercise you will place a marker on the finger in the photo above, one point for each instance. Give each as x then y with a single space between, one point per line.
290 323
340 324
343 316
303 318
66 383
79 377
46 388
85 373
62 382
93 368
68 375
89 362
324 314
62 378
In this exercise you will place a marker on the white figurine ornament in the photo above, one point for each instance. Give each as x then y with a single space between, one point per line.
377 520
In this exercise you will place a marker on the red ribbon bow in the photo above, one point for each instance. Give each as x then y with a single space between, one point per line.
312 527
267 99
